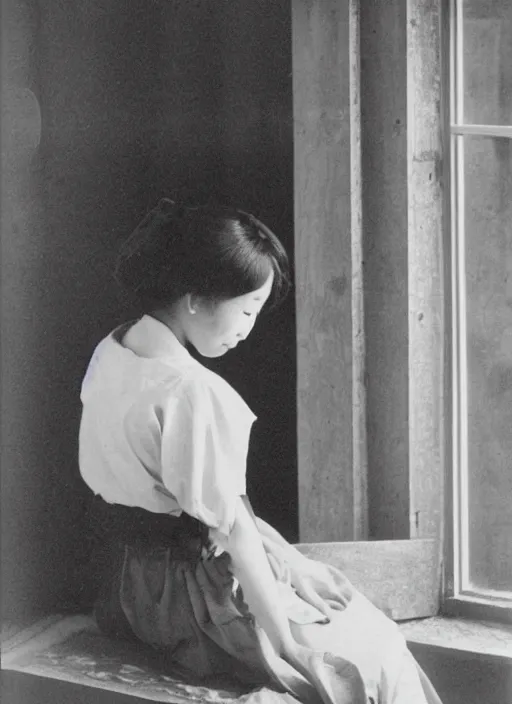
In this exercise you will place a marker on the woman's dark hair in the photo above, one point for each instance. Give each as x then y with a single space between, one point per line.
211 251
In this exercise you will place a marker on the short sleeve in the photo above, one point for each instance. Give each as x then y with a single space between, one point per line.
205 438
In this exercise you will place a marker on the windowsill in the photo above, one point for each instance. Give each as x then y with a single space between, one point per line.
69 650
482 639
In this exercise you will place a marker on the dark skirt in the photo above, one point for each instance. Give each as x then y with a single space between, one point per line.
158 581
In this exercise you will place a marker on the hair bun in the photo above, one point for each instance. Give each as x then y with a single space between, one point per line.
170 208
145 245
167 206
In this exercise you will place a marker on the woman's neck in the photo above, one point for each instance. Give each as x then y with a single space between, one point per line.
171 319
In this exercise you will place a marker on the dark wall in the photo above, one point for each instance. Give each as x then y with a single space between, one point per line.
464 677
137 100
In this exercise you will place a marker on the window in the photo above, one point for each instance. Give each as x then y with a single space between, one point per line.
479 575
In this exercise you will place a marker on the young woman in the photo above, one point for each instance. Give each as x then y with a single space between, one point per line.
188 568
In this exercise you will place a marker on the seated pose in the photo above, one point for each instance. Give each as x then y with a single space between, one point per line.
186 566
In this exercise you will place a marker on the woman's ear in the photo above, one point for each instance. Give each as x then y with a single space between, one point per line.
191 303
198 304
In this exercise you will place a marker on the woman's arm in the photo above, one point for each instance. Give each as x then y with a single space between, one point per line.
252 569
250 565
272 540
320 585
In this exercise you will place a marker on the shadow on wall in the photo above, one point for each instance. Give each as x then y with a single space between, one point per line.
463 678
137 100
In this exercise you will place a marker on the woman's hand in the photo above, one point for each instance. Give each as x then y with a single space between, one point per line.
321 585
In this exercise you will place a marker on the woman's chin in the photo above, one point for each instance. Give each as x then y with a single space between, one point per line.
214 353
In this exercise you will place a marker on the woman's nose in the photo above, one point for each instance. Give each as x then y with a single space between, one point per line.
246 328
243 334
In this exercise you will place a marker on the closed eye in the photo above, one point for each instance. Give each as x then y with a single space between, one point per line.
246 313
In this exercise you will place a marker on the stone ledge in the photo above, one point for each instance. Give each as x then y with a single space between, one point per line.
472 638
66 657
69 651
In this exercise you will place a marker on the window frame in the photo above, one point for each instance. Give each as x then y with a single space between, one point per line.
458 600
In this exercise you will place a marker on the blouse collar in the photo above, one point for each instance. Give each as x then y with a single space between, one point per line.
153 338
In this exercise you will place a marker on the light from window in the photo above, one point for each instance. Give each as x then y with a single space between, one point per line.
481 159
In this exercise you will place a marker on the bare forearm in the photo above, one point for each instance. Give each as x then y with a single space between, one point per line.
271 537
252 569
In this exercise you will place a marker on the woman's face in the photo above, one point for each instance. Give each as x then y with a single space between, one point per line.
215 328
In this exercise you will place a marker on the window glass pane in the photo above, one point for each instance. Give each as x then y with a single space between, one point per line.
488 253
487 59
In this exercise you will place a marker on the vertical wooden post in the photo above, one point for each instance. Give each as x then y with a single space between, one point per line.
425 262
328 263
384 153
369 298
402 216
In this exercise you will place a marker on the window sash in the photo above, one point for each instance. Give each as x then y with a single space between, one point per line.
503 131
459 597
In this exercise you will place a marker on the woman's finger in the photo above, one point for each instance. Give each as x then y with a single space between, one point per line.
309 595
326 588
334 590
336 605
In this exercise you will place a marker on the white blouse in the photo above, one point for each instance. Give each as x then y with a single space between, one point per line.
160 431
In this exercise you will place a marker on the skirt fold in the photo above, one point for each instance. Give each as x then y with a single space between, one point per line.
184 602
